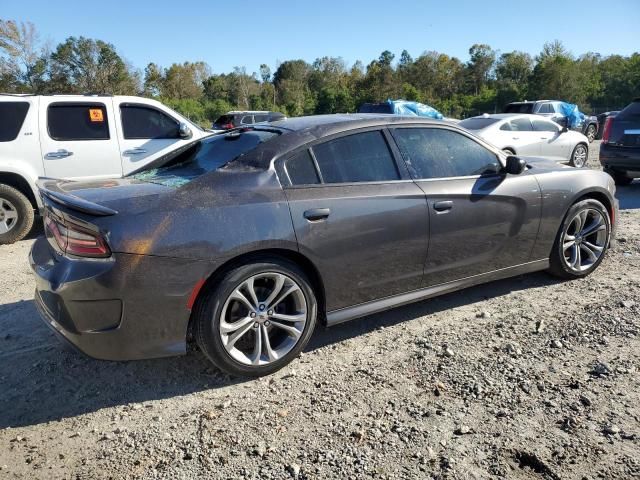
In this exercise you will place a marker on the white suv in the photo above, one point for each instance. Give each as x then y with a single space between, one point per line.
76 136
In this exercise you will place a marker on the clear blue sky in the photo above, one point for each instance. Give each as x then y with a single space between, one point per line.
248 33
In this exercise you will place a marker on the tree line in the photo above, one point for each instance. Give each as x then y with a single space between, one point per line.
485 83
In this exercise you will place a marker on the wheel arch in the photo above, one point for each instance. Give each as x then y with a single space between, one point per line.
293 256
596 195
20 183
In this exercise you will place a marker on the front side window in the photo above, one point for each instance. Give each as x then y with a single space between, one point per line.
545 108
440 153
247 120
361 157
12 115
542 126
139 122
74 121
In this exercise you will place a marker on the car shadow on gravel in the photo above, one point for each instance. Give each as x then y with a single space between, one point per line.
469 296
45 380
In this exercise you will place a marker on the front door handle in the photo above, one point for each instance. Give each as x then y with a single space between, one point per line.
135 151
516 138
316 214
59 154
444 206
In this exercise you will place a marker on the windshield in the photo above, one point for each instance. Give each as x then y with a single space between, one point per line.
519 108
477 123
184 164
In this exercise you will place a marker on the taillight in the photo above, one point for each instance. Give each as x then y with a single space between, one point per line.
75 240
607 129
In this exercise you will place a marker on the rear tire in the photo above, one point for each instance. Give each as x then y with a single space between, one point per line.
582 240
16 215
256 335
579 156
591 132
508 151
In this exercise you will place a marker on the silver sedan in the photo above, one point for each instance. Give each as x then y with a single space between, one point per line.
531 135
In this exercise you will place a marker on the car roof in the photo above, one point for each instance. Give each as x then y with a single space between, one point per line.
338 121
504 116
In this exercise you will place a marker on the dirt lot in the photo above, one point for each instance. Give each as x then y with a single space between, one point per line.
522 378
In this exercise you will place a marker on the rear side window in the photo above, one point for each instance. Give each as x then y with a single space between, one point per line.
519 108
302 170
261 118
631 111
140 122
440 153
74 121
542 126
12 115
477 123
247 120
361 157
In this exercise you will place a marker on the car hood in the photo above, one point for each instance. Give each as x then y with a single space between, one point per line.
543 164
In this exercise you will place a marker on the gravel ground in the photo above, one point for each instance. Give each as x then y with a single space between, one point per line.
522 378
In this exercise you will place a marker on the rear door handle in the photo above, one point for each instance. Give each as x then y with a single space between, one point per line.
316 214
516 138
59 154
444 206
134 151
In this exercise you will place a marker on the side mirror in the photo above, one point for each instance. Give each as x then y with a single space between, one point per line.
185 131
515 165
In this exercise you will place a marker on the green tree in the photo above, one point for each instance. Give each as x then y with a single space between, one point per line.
482 59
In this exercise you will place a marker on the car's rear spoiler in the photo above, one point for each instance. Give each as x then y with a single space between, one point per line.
50 188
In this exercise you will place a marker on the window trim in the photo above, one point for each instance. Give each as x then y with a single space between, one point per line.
314 162
150 107
500 156
79 104
24 119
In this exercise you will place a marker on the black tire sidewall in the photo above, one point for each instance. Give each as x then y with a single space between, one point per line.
558 265
593 128
25 215
208 316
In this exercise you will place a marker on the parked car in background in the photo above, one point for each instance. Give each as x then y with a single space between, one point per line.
531 135
237 119
248 239
620 147
77 136
602 118
387 108
552 109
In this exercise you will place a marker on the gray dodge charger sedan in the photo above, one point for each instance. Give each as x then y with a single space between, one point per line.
247 240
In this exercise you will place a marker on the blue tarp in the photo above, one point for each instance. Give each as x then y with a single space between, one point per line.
574 116
404 107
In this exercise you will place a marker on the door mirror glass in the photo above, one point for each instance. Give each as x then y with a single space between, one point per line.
515 165
185 131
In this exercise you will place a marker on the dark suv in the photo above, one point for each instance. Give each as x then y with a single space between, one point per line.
237 119
553 110
620 148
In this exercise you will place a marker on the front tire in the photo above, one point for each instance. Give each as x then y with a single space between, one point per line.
16 215
579 156
582 240
256 318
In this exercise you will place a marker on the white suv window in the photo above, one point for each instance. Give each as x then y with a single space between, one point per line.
139 122
12 115
77 121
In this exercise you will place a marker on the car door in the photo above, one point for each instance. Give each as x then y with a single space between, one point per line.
518 134
553 145
78 138
358 217
145 133
480 219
